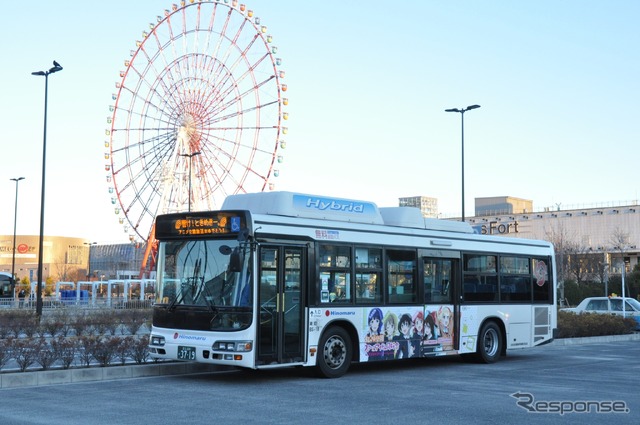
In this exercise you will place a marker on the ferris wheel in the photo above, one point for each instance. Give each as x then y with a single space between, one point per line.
198 114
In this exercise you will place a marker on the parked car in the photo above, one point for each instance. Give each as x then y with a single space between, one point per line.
609 305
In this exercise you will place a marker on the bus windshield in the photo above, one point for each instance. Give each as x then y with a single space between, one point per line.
207 273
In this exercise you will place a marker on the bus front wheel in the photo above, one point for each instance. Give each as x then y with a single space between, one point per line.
334 353
489 343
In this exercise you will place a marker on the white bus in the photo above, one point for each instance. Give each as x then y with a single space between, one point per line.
281 279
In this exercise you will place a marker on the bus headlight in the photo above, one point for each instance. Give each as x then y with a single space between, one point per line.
237 346
157 340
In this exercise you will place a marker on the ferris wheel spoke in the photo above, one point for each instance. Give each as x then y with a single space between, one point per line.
241 112
243 95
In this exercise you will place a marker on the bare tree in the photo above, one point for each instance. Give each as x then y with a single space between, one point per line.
562 244
621 242
561 241
580 262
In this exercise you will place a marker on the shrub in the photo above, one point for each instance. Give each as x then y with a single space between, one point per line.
140 349
123 350
86 348
571 325
24 352
52 325
45 354
81 324
4 324
132 320
105 349
5 351
110 320
66 349
102 322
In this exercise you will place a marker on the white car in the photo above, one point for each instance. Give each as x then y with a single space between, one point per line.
608 305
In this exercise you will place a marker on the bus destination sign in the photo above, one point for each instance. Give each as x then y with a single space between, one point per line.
198 225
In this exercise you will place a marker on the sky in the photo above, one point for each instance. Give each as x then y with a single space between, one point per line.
368 83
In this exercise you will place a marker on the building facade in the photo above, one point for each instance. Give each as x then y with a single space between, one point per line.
428 206
608 235
503 205
63 258
70 259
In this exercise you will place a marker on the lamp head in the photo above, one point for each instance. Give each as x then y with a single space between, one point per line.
56 67
453 110
39 73
468 108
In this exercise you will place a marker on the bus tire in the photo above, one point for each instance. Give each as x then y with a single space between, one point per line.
335 352
489 343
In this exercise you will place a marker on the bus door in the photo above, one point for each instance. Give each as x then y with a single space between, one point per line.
440 279
281 278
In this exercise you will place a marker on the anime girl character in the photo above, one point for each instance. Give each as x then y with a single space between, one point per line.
374 339
390 324
430 338
375 323
445 327
417 332
418 324
405 347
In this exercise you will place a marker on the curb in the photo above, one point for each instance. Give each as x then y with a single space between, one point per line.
597 339
92 374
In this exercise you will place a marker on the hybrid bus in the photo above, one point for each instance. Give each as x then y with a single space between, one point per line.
279 279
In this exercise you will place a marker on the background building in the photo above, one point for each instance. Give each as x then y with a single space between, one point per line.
590 242
63 258
502 205
71 259
428 206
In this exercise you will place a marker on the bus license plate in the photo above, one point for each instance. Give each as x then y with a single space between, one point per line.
186 353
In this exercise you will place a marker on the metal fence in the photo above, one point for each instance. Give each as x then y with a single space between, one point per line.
120 293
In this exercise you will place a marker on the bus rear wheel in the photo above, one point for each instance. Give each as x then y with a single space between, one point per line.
489 343
335 353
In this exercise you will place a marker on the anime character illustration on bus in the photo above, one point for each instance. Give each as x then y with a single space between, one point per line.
445 327
408 344
390 324
430 338
417 332
374 338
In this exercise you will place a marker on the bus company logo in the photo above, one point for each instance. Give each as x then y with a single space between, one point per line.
188 337
339 313
23 248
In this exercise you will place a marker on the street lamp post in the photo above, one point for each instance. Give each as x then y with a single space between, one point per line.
190 156
462 111
15 220
56 67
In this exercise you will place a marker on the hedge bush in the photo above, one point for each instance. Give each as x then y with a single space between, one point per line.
572 325
66 337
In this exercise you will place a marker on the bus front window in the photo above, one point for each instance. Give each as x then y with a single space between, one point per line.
208 273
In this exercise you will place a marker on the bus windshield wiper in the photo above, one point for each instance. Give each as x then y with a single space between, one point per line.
178 298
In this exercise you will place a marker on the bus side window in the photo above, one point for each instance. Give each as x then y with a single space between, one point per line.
437 280
401 276
335 274
368 275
